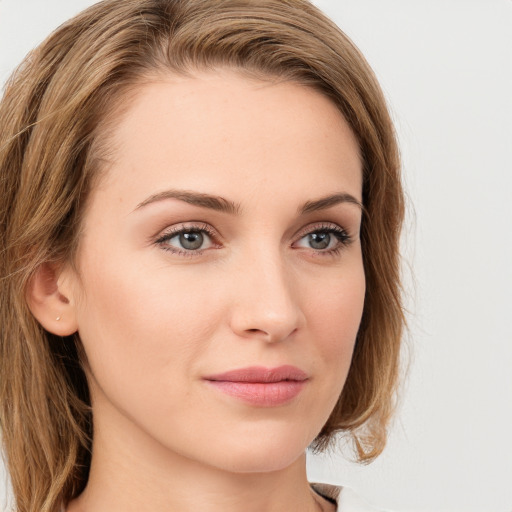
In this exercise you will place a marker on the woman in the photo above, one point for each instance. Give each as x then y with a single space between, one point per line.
201 206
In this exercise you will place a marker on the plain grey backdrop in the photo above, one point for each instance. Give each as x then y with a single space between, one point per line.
446 69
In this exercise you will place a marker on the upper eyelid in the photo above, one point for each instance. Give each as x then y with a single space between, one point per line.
203 226
321 226
172 231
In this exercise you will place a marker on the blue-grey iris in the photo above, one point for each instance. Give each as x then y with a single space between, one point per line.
191 240
319 240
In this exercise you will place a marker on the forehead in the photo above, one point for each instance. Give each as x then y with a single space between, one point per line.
219 131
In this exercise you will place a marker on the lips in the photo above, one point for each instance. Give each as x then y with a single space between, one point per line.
259 386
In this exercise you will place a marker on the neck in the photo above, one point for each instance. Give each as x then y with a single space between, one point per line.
131 472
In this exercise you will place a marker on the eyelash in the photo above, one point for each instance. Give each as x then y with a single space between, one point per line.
193 228
344 239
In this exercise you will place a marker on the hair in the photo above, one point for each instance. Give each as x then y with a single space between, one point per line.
56 106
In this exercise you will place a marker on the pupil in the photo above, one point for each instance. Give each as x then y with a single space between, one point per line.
319 240
191 240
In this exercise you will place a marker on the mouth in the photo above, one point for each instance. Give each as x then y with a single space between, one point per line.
259 386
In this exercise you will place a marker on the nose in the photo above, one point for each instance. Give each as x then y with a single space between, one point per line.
266 302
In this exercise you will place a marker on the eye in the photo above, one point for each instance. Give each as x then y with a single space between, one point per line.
186 240
327 239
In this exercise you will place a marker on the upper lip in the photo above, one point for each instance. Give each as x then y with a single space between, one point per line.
260 374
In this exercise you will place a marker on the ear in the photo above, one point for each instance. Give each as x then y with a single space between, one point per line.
50 298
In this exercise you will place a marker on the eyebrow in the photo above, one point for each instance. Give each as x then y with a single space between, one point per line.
221 204
216 203
329 201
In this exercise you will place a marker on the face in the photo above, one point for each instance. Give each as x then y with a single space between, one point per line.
221 280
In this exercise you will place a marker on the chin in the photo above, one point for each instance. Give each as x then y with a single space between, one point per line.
260 462
265 452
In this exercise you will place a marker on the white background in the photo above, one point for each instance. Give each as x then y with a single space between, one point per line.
446 69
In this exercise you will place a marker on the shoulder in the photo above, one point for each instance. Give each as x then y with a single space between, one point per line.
345 498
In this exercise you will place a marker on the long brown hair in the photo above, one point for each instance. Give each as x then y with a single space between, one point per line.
62 96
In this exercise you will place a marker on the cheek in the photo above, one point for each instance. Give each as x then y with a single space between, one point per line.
334 319
338 310
141 325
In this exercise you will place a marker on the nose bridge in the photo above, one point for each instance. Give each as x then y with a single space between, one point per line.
265 304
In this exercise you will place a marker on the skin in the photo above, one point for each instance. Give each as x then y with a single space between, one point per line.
155 322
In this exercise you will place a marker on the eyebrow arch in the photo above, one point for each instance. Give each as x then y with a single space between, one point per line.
329 201
221 204
195 198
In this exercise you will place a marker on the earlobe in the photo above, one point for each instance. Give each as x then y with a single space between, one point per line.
50 300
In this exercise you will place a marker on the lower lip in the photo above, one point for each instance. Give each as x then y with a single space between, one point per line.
263 394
